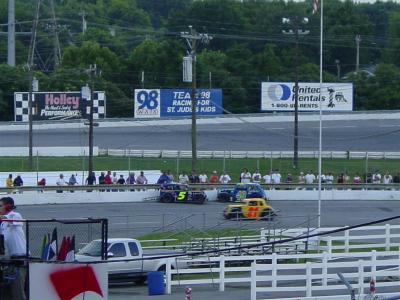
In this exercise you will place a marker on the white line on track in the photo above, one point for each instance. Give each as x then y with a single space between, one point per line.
124 223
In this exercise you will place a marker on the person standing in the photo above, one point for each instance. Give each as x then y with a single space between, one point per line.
256 177
268 178
310 177
72 180
108 179
141 179
224 178
183 178
18 181
121 179
194 178
61 182
114 178
214 177
245 176
203 178
163 179
102 178
14 241
9 181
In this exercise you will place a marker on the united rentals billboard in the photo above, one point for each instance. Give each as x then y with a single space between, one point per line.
158 103
280 96
58 106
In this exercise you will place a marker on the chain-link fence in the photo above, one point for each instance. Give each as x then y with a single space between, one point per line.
42 232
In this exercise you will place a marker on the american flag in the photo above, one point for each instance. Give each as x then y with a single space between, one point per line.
314 6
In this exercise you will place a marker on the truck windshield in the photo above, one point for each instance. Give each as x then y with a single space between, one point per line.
92 249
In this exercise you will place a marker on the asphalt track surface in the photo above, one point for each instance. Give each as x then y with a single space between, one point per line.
372 133
135 219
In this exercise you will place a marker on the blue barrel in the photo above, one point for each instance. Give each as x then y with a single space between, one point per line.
155 283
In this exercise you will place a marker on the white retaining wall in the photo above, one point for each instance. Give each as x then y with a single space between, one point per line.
51 197
48 151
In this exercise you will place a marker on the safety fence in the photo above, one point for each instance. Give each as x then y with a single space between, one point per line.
370 237
292 275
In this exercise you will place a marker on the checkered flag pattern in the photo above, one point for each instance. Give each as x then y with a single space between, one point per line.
21 113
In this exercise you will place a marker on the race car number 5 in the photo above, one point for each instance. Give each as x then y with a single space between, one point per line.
181 196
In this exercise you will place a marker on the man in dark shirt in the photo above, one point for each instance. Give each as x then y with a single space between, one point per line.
91 179
194 178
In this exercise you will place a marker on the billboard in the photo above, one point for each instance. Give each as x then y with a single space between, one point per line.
58 106
280 96
158 103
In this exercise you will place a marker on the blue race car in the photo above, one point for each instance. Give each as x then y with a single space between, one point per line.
180 193
242 191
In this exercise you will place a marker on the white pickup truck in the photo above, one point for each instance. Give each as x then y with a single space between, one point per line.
125 263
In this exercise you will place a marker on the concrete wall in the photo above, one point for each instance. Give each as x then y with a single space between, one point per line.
29 198
48 151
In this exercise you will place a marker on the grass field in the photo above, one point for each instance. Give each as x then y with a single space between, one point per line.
232 166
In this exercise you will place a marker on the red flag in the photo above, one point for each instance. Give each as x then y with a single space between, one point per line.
72 282
63 249
314 6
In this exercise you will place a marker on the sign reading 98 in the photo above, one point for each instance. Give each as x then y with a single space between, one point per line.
148 100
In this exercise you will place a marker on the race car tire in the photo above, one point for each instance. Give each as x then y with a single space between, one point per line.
223 198
199 199
267 214
167 199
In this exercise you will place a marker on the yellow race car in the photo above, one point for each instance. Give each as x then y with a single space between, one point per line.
254 208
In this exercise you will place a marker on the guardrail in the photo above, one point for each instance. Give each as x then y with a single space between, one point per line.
248 154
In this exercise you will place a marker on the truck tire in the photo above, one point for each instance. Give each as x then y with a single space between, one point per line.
223 197
140 280
167 198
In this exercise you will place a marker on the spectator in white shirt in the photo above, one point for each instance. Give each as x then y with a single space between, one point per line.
310 177
203 178
245 176
267 178
387 178
376 177
183 178
329 178
302 179
256 177
276 177
224 178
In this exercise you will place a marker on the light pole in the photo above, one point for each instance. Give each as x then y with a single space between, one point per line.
337 62
192 39
295 29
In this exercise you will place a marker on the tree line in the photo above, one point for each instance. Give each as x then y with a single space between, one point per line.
136 39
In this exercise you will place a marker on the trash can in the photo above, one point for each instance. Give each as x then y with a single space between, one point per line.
155 283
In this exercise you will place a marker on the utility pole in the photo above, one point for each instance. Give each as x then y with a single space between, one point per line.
192 39
358 41
11 34
296 30
93 72
54 30
31 56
